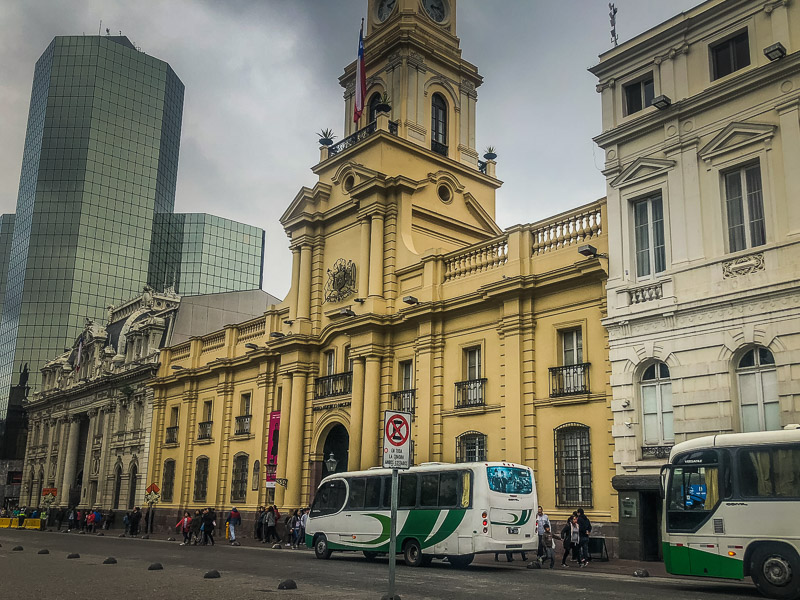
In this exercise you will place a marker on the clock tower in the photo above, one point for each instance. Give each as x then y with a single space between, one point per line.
412 55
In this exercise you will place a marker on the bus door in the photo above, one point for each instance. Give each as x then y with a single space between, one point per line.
692 496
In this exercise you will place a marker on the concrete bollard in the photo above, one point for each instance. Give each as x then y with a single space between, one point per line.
641 573
276 546
110 561
43 551
155 567
73 555
17 549
170 539
287 584
212 574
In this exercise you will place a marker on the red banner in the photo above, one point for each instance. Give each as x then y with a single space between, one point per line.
272 447
53 491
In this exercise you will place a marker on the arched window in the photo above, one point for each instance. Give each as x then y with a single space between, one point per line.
239 481
200 479
573 465
758 391
439 124
168 481
471 447
374 101
133 480
655 391
256 474
117 487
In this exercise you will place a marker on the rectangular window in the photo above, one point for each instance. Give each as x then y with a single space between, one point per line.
407 497
744 204
372 494
208 411
356 499
572 347
407 375
330 362
639 94
730 55
245 405
648 223
770 472
173 417
573 465
472 363
348 362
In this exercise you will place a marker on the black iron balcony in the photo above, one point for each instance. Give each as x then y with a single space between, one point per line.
242 426
358 136
569 380
172 435
403 400
470 393
333 385
204 430
439 148
661 452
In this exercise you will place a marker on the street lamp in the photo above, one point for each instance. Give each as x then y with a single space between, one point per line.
331 463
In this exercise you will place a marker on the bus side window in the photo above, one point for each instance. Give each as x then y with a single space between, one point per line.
329 499
429 490
372 496
448 489
769 472
407 498
356 499
386 501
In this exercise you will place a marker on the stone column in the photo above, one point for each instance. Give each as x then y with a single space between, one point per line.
363 266
63 431
294 459
48 450
356 415
790 141
295 283
283 437
87 459
71 466
371 425
304 287
376 256
102 476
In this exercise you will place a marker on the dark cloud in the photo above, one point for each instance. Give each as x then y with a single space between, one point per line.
261 77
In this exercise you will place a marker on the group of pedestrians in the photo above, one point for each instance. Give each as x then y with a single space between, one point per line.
266 525
198 530
574 537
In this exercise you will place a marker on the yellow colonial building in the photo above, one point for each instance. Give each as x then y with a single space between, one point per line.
405 294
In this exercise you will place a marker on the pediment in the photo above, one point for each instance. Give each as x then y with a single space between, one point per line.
305 199
736 135
642 169
483 217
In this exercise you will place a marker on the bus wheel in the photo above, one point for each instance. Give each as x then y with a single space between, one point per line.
412 553
370 556
321 549
776 572
460 562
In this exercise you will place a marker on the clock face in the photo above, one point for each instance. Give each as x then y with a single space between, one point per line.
436 9
385 8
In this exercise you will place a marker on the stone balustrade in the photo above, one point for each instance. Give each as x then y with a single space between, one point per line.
571 228
476 259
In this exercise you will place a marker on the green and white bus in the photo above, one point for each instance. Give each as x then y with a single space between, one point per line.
452 511
732 509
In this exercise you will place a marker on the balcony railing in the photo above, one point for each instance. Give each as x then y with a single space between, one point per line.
204 430
172 435
333 385
439 148
656 451
242 426
403 400
569 380
470 393
358 136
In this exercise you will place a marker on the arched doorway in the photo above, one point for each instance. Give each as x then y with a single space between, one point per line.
335 442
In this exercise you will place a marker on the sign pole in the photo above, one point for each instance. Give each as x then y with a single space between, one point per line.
393 535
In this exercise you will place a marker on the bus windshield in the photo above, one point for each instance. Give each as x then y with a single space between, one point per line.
509 480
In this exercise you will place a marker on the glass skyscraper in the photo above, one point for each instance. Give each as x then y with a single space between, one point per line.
97 185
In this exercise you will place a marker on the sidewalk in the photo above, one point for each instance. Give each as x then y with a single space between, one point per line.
612 567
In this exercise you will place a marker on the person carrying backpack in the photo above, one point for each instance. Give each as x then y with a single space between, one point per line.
233 521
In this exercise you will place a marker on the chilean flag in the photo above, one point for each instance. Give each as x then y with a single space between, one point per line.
361 77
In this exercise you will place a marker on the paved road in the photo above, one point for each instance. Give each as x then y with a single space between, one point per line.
255 572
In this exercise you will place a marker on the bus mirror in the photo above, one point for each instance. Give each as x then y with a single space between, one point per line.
662 481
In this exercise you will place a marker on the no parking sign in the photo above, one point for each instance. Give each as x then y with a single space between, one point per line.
396 440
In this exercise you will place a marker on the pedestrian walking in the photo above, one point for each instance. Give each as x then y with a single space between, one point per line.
233 521
185 526
303 523
549 545
272 522
197 523
287 529
258 524
72 519
295 524
126 522
584 529
542 520
135 519
209 523
570 537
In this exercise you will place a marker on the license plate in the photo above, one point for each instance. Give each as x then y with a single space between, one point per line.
513 530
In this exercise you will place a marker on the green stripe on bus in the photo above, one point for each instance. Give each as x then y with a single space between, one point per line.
682 560
516 520
449 525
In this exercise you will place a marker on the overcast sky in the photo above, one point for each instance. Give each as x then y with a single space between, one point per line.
261 78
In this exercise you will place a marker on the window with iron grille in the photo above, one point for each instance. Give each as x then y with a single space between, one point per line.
168 481
471 447
239 481
201 479
573 465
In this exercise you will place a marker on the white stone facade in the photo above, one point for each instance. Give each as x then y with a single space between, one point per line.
716 290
